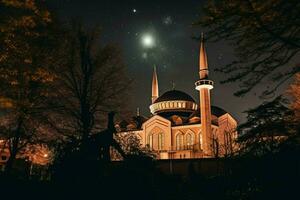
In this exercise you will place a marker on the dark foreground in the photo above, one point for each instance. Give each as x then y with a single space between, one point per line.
271 177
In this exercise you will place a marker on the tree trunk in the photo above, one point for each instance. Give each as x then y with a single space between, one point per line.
13 148
13 153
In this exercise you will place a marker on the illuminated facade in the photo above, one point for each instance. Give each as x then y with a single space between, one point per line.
180 127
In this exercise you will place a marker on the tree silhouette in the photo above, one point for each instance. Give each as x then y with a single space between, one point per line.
101 143
91 81
267 126
26 54
132 147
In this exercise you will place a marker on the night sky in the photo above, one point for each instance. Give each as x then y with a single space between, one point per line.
159 33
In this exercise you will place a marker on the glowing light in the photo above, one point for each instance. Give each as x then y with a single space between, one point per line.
148 41
45 155
134 10
209 87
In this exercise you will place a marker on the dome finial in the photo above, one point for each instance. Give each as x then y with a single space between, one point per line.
173 85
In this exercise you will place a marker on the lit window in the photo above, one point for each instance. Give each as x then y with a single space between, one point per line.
189 139
150 141
160 141
200 140
179 141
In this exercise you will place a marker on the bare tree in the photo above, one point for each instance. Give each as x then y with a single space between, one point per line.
131 145
215 147
230 146
225 145
91 81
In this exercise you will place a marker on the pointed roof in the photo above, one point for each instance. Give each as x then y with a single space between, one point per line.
203 65
154 85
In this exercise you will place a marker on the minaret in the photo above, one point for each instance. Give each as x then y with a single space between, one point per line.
204 85
154 86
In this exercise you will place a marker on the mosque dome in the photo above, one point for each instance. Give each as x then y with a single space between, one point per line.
174 95
174 102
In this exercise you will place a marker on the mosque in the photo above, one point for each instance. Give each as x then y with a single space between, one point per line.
181 127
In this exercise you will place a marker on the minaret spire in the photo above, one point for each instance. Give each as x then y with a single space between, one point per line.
204 85
203 65
154 86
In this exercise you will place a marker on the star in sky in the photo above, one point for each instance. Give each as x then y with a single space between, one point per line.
167 20
134 10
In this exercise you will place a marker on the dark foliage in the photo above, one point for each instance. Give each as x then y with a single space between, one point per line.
27 51
269 127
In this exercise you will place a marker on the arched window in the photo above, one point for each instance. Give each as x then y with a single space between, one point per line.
189 138
160 141
179 141
150 141
156 141
200 140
